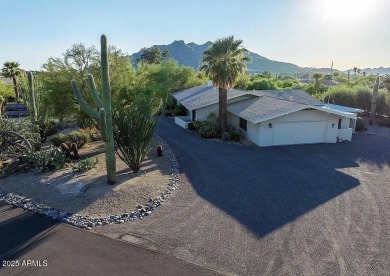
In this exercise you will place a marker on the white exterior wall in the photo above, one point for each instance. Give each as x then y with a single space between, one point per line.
345 134
266 133
203 112
252 132
234 121
182 121
345 122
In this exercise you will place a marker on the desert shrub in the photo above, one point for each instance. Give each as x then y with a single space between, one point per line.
46 128
77 137
208 129
134 127
196 124
234 134
83 120
383 103
191 126
85 165
23 127
93 134
385 122
58 139
169 112
359 124
225 136
52 158
180 110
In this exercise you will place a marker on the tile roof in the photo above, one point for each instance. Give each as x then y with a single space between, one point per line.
264 108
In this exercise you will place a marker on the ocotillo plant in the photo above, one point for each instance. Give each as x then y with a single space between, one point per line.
31 100
104 116
373 101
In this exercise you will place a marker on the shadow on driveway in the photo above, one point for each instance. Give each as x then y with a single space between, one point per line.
21 231
266 188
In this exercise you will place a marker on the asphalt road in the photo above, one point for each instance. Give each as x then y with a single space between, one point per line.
34 245
290 210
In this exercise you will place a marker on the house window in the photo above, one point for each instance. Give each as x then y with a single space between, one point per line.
339 123
243 124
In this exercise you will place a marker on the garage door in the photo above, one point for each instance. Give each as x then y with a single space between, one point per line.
299 133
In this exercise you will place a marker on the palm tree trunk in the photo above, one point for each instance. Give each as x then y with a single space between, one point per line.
16 89
223 108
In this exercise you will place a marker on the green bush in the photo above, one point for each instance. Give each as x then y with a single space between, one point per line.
46 128
359 97
208 129
77 137
58 139
385 122
225 136
93 134
359 124
191 126
85 165
180 110
196 124
234 135
52 158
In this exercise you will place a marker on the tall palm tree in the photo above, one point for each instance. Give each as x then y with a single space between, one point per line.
358 71
223 62
355 70
317 77
11 70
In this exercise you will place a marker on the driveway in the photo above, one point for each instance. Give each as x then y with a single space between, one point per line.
35 245
290 210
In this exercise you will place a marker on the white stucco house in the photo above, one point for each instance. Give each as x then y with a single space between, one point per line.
272 117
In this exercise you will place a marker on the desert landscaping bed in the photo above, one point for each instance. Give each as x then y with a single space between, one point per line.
86 200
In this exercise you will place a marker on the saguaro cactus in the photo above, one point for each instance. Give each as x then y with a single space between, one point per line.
373 101
31 99
104 116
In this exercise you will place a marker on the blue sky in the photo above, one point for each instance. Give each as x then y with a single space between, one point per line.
309 33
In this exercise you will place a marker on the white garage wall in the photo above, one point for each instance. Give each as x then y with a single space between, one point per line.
266 133
253 132
305 115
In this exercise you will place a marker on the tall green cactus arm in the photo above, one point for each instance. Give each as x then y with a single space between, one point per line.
32 104
95 95
105 74
84 105
103 125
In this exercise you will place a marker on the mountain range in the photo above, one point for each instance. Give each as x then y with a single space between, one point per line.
191 54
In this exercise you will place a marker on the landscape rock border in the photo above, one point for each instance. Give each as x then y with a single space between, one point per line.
89 222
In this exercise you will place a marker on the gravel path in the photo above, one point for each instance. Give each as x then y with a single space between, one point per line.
290 210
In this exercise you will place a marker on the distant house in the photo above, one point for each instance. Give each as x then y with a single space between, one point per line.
273 117
6 80
330 82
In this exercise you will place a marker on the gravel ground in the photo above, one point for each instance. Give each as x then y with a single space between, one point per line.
291 210
88 194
